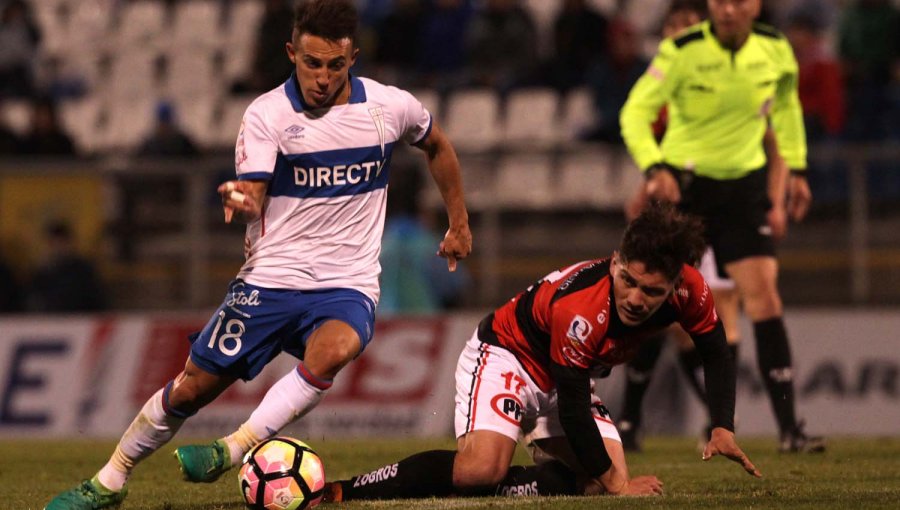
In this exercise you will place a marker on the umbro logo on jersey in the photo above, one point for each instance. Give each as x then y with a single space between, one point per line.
294 131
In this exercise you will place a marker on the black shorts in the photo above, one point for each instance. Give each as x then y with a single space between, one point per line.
734 212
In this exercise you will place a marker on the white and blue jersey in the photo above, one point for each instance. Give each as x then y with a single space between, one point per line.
323 218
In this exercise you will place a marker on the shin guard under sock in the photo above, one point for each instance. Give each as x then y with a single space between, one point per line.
774 358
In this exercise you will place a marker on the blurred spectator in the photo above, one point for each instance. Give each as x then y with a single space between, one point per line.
869 43
66 282
579 37
167 138
397 48
19 38
501 46
441 42
9 142
611 76
271 66
46 135
414 280
60 79
10 293
821 83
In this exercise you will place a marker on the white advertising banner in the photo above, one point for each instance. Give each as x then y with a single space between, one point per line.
88 376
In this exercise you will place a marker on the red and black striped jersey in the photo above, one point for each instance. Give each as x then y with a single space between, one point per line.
569 317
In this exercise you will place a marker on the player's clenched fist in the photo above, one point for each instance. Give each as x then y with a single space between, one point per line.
457 244
242 198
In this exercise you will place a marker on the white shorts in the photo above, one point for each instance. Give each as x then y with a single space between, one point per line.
711 274
493 392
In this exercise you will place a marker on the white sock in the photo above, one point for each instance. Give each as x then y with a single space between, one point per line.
151 429
290 398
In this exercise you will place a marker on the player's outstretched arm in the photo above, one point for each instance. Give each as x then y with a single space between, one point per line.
721 442
444 167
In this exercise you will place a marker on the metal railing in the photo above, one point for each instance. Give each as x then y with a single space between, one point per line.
194 225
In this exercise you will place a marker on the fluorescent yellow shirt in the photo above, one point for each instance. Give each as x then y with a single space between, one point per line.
719 104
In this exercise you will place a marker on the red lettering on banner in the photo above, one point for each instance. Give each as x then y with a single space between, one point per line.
165 351
398 366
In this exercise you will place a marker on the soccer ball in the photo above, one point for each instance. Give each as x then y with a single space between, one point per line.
282 473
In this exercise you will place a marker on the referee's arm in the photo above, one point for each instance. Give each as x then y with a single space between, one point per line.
641 109
787 113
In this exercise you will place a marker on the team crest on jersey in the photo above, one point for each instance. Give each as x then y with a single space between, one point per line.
240 148
579 329
378 118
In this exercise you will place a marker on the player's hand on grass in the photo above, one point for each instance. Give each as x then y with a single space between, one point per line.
238 201
457 244
799 197
643 486
722 442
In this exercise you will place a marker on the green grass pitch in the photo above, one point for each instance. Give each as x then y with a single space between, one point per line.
855 474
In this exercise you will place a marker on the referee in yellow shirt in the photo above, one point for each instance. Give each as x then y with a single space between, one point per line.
725 81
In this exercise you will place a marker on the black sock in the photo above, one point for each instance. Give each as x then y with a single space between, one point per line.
638 372
423 475
548 479
735 349
774 357
692 366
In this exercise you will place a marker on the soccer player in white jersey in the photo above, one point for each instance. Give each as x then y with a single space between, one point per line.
312 161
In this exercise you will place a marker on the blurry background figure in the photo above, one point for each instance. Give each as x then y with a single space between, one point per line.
270 67
66 281
579 36
414 280
19 39
9 142
821 86
441 42
501 46
396 43
611 76
167 138
10 291
822 94
869 44
46 135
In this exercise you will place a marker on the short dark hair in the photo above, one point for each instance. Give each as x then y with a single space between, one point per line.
329 19
663 239
698 6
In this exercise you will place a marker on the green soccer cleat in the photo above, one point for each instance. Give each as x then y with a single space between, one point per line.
203 463
88 495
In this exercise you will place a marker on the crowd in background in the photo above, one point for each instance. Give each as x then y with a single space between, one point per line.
848 52
849 55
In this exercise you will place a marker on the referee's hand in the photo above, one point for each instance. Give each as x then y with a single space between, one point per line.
799 197
663 187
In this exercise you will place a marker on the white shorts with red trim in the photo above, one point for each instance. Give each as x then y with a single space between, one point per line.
493 392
